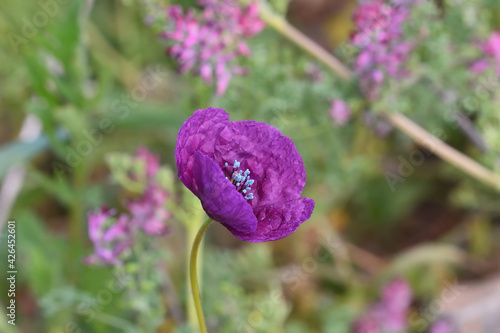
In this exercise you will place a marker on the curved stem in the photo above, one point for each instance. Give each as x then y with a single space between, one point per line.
193 274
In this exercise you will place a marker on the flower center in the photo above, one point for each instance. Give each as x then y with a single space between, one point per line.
241 180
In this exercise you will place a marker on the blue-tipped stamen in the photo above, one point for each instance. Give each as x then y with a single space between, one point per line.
241 180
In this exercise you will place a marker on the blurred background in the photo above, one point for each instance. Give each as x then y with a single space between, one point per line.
94 93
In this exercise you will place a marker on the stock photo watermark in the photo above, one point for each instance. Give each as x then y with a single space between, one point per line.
407 165
11 272
421 319
48 9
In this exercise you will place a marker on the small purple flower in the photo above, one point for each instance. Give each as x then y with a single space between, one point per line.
340 112
369 323
396 299
492 46
110 238
149 212
151 161
442 326
491 55
210 43
383 47
314 72
247 175
390 314
397 295
480 66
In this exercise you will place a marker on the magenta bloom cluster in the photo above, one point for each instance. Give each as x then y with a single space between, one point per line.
112 235
491 55
390 314
384 49
442 326
210 42
247 175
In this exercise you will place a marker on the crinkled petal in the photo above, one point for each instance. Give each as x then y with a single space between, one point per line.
276 221
271 157
198 133
219 198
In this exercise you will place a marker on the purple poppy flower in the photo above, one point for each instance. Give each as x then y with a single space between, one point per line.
248 176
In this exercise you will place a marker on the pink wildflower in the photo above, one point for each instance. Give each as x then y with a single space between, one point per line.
149 212
340 112
210 42
491 57
383 47
442 326
151 161
111 237
390 314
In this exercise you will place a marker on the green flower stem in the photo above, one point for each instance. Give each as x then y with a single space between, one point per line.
193 274
407 126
